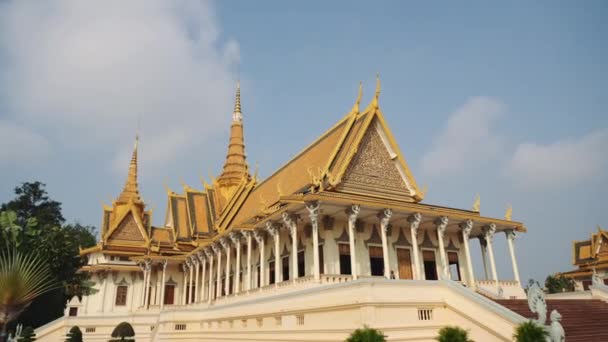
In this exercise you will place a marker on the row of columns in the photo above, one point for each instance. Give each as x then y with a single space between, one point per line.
213 254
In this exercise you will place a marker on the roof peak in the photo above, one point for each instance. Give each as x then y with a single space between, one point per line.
237 115
130 191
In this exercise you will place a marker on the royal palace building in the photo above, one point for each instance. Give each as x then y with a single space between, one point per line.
337 238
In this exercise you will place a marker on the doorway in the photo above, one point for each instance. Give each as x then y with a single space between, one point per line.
404 261
376 261
430 265
345 266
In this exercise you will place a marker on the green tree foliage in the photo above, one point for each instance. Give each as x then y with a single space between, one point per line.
74 335
530 332
27 335
23 277
366 334
453 334
555 284
123 332
33 221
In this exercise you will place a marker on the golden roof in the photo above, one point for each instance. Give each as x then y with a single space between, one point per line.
130 191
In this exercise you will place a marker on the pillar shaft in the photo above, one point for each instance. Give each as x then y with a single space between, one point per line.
196 277
249 243
352 220
414 224
162 285
203 277
442 224
313 212
385 217
510 238
489 231
467 227
237 268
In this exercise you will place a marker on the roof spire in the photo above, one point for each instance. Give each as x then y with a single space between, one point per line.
377 95
131 191
236 114
235 166
358 101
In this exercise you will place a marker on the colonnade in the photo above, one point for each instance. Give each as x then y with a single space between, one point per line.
212 265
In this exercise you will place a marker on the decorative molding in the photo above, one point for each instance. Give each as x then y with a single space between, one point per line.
467 227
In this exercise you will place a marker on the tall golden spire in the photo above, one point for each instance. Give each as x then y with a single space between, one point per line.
131 191
235 166
377 95
358 101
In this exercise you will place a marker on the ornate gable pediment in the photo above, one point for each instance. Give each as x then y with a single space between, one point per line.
374 170
128 230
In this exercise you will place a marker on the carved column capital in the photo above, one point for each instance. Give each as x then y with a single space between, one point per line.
246 234
467 227
217 249
272 229
313 209
442 224
208 253
201 256
164 263
258 237
236 239
225 243
188 262
352 213
290 221
510 234
194 260
385 216
488 232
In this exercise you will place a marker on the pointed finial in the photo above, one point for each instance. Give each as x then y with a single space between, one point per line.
424 190
236 114
355 109
476 203
377 95
509 212
167 188
131 191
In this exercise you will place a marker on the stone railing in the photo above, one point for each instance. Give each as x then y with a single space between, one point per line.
507 289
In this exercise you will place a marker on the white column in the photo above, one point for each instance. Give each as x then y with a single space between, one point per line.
147 292
236 240
103 276
185 282
218 280
191 267
196 288
209 254
484 256
489 231
511 235
274 231
162 284
248 237
145 273
414 221
313 213
260 240
352 213
467 227
201 258
442 224
290 222
226 244
385 217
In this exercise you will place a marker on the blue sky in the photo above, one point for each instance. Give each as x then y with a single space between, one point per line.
507 100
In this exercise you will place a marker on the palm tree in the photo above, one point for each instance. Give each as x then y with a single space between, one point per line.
23 277
530 332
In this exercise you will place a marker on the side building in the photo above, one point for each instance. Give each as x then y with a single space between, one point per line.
591 259
336 238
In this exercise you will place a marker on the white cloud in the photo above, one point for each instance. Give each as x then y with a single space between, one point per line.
467 138
83 70
562 163
21 145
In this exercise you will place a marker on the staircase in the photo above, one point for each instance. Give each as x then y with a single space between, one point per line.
584 320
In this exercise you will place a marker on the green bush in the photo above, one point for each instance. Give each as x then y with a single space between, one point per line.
530 332
75 335
366 334
453 334
123 332
27 335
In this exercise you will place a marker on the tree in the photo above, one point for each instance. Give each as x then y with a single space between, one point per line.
530 332
559 283
23 277
123 332
453 334
74 335
27 335
32 201
366 334
57 244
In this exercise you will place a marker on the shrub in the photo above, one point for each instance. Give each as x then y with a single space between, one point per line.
123 332
75 335
453 334
27 335
366 334
530 332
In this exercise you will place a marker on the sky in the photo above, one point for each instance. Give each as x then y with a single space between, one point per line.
505 100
